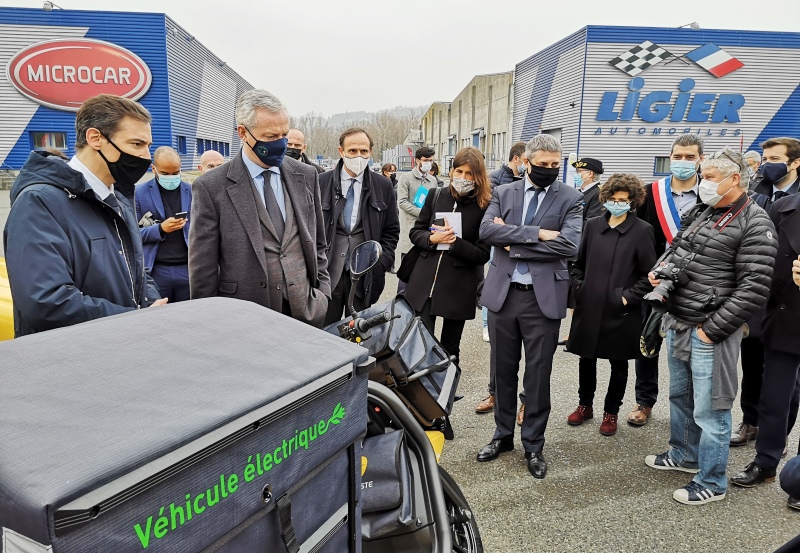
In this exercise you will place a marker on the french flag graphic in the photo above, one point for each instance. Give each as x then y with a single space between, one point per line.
715 60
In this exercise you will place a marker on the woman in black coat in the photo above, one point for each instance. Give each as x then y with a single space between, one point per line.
609 279
444 283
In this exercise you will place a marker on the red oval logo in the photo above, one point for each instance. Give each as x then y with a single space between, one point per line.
62 74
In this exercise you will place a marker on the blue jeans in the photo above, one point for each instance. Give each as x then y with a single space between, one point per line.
699 435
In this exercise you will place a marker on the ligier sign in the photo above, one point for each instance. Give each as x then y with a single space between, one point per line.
62 74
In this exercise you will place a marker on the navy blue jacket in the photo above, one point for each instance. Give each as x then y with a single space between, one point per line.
148 198
63 250
503 175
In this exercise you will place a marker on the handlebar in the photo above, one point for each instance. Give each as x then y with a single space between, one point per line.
363 325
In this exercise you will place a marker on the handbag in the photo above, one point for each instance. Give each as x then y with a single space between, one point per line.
410 259
652 335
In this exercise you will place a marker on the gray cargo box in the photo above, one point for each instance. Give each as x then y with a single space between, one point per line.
208 425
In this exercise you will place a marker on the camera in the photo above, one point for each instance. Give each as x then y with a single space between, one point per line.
660 294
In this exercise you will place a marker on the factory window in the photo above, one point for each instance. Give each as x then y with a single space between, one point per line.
227 150
200 147
181 143
42 140
661 166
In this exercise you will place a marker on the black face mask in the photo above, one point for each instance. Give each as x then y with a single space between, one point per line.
543 176
294 153
127 170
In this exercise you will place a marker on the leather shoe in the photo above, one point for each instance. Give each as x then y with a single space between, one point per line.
640 415
486 405
609 425
537 466
752 475
493 449
580 415
521 415
743 434
793 503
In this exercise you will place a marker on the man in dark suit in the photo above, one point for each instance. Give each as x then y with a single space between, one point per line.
257 232
357 205
165 237
781 352
535 227
587 179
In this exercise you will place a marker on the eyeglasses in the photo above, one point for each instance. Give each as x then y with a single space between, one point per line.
723 153
619 203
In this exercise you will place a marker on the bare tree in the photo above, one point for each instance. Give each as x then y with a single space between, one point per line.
386 128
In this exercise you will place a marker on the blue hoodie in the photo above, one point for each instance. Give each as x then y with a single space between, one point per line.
63 254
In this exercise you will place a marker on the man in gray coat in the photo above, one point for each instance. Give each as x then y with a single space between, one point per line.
535 227
257 230
407 187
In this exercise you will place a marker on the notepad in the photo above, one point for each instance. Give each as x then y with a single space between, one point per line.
453 219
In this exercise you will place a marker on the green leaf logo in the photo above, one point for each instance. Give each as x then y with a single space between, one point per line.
338 414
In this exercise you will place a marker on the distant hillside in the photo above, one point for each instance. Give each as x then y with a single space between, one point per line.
354 116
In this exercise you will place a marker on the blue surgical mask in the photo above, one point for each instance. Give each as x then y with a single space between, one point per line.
521 169
683 169
168 182
578 179
616 209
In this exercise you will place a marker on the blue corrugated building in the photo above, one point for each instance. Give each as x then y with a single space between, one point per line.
190 92
622 94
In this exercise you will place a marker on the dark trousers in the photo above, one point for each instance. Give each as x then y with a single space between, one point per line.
646 374
521 323
452 329
587 383
172 281
337 307
778 390
752 375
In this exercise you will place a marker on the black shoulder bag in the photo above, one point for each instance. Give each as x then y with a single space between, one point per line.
410 259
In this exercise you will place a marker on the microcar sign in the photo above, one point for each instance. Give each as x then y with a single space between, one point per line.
62 74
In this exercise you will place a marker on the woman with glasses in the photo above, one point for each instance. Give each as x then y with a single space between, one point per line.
609 279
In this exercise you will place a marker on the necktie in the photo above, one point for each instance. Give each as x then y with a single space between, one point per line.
529 215
271 202
778 195
348 205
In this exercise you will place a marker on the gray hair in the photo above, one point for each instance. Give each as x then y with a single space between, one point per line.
541 143
752 154
689 140
254 99
729 162
163 152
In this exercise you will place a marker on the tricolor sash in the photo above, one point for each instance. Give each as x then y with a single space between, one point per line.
667 213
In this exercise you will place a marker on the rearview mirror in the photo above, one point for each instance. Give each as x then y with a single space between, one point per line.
364 257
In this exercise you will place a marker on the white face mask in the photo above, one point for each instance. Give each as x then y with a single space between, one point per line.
356 165
708 191
462 186
426 166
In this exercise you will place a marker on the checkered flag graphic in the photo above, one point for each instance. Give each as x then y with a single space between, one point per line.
639 58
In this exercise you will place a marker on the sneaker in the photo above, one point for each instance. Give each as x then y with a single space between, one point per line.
609 425
696 494
485 334
663 462
580 415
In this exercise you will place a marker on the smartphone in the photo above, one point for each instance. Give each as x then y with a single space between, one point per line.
439 222
181 215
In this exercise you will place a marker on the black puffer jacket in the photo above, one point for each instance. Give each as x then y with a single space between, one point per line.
728 260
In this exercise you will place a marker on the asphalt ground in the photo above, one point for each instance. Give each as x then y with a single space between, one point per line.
598 495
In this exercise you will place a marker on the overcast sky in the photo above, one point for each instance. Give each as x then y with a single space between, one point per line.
333 56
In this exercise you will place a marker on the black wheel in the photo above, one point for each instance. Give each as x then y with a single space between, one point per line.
463 526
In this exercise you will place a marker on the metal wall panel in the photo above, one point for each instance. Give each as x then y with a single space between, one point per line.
141 33
768 81
18 113
203 92
534 82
